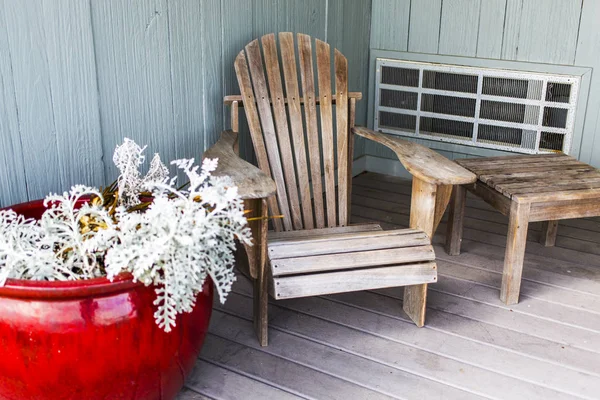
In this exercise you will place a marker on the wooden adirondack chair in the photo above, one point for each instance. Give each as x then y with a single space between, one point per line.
313 249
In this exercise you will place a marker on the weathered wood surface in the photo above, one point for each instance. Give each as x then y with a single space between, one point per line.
423 163
290 74
472 347
229 99
548 234
313 234
410 248
350 281
252 183
540 192
307 81
348 244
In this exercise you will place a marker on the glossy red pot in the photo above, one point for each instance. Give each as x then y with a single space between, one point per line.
93 339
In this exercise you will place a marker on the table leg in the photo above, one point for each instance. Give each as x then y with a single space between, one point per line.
515 252
548 234
454 230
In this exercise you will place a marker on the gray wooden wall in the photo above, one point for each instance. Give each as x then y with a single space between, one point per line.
564 32
77 76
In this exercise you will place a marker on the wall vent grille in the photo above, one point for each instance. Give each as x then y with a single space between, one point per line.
518 111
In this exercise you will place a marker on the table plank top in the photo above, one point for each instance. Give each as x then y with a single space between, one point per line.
537 178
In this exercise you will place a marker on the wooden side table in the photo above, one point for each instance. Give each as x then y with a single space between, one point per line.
526 188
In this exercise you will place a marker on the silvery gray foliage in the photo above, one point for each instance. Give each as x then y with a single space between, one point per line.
179 241
182 238
54 248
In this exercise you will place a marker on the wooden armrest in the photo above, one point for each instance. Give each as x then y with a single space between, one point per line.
227 100
420 161
252 183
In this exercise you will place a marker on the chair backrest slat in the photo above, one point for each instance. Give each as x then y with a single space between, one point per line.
290 74
343 150
261 96
312 130
298 165
324 80
250 101
283 134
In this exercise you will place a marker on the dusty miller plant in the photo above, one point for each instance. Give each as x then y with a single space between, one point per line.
175 243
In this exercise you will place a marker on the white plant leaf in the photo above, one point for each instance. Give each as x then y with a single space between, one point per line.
180 240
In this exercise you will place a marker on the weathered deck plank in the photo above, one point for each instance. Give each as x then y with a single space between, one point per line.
362 345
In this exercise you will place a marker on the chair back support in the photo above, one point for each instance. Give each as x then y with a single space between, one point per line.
297 138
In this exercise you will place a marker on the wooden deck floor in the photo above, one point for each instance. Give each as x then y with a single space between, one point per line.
362 345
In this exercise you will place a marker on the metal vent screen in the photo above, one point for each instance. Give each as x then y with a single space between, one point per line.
508 110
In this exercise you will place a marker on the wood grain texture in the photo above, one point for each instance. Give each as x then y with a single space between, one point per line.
252 183
13 188
491 28
588 54
350 243
548 233
74 92
243 75
187 52
261 95
389 29
212 73
459 26
134 77
348 30
239 32
323 60
277 98
421 162
512 28
442 198
33 94
261 291
422 217
310 115
545 34
472 347
515 252
355 280
344 151
456 217
424 31
314 233
290 74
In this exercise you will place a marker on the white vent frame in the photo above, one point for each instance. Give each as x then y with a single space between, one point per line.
481 72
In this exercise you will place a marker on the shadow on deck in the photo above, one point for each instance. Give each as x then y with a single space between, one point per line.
362 345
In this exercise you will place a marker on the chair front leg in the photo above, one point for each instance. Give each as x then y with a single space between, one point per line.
422 217
261 289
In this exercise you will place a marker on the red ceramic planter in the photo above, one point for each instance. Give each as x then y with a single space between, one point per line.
93 339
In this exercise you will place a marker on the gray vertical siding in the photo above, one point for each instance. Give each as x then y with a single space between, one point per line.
562 32
77 76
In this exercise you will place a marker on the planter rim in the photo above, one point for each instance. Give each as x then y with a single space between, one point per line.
61 290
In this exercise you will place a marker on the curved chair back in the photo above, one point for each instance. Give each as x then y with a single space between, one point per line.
300 128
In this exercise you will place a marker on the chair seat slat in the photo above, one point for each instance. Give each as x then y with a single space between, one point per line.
355 259
346 245
287 287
